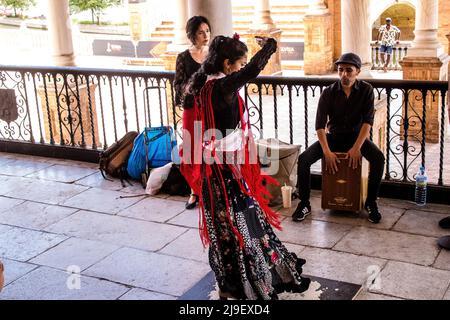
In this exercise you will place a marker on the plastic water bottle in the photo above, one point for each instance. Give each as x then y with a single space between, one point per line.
421 187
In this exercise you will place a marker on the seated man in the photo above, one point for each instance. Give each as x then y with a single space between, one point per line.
346 109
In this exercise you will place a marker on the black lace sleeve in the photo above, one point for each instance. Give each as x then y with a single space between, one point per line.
180 78
233 82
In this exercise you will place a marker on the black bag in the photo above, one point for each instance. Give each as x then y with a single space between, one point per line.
176 184
113 161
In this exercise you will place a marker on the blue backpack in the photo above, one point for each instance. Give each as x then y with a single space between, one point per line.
152 148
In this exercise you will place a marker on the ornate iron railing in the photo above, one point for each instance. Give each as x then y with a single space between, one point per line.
89 109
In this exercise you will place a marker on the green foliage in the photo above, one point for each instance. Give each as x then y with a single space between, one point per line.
17 4
95 6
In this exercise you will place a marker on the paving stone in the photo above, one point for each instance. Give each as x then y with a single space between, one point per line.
96 180
179 198
117 230
447 295
390 245
421 222
34 215
51 284
10 183
141 294
100 200
411 281
188 246
339 266
152 271
188 218
62 173
390 216
14 270
443 260
44 191
136 188
153 209
364 295
22 167
8 203
295 248
4 160
22 244
79 252
312 233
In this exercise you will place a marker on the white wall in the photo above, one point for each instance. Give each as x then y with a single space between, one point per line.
377 7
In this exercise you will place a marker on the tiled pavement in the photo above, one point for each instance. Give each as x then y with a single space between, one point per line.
59 214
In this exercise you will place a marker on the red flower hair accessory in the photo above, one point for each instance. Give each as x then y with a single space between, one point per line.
236 36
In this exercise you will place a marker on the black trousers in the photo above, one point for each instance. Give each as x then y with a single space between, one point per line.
340 143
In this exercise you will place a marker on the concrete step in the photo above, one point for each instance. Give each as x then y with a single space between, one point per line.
162 34
165 28
292 65
167 23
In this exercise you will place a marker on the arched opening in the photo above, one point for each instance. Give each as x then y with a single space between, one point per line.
403 16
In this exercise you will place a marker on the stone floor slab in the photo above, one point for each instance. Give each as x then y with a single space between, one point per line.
136 188
100 200
22 167
34 215
421 222
390 245
15 269
79 252
44 191
141 294
339 266
295 248
410 281
117 230
390 216
8 203
312 233
447 295
51 284
10 183
188 218
62 173
188 246
153 209
96 180
152 271
23 244
364 295
443 260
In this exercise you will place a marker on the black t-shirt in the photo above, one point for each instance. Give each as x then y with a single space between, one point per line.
342 115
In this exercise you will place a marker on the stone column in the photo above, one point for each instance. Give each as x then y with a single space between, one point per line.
318 56
138 19
219 14
356 31
60 30
448 76
424 61
180 42
264 26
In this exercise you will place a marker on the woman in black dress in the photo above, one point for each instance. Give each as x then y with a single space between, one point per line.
248 259
188 62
